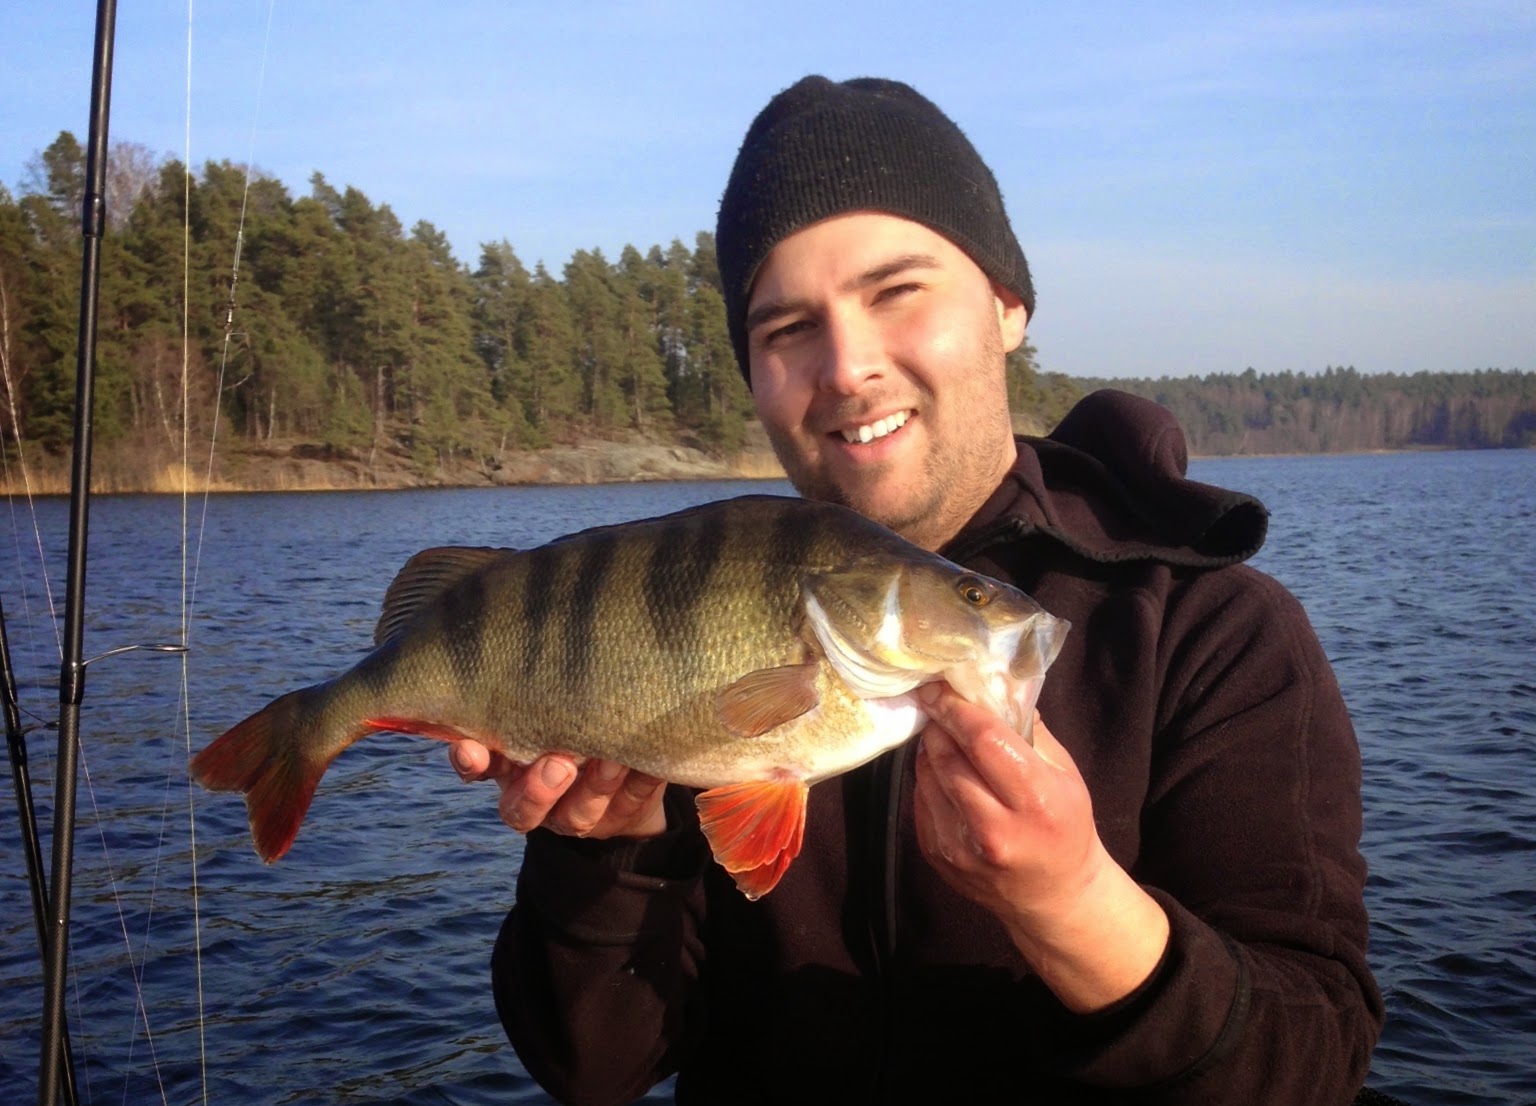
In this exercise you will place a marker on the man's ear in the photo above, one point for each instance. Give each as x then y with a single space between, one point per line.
1012 318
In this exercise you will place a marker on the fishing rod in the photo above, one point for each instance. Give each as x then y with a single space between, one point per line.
16 744
72 667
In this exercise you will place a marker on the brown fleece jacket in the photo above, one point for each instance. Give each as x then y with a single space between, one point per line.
1199 707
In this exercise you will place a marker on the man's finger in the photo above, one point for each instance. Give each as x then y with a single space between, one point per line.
589 799
1051 751
926 797
1002 760
954 775
527 802
470 760
635 793
475 762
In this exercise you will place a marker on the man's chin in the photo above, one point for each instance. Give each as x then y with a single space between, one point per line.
895 508
882 496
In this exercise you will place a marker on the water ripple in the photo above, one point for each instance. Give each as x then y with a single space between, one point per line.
357 968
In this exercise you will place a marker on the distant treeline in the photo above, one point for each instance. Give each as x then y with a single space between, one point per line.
343 329
340 329
1341 410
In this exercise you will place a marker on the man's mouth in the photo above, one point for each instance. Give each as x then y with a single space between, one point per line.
877 429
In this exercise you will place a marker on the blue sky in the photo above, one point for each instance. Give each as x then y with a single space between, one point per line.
1199 187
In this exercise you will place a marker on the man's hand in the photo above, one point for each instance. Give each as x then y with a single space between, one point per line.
595 799
1011 828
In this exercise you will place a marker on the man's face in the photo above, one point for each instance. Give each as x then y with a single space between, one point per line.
877 353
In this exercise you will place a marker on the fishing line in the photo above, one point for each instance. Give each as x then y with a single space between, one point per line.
37 533
68 1090
134 969
190 562
186 453
189 580
229 317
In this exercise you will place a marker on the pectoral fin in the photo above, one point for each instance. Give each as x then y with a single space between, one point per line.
767 698
755 830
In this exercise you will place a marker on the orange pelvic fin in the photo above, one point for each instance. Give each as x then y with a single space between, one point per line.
755 830
278 771
767 698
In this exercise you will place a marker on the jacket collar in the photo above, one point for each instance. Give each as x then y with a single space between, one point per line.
1110 484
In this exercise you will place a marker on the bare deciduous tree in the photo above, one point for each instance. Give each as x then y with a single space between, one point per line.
132 169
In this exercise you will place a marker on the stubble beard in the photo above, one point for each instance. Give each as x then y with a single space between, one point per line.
938 500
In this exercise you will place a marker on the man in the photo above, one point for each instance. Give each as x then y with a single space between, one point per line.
1161 901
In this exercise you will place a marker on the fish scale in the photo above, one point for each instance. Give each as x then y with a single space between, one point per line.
678 571
745 647
462 626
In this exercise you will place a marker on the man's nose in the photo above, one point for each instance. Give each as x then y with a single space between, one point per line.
854 352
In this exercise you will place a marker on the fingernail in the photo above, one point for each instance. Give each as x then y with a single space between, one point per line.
460 759
927 693
555 773
607 771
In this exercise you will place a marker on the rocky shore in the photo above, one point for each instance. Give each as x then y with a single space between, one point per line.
306 466
302 466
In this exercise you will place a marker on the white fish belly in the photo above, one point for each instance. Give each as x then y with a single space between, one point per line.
823 742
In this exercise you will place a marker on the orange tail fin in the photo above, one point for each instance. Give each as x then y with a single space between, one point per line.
271 758
755 830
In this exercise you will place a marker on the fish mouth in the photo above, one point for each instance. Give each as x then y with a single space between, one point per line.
863 433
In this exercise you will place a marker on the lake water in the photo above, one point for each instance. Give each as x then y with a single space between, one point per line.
355 971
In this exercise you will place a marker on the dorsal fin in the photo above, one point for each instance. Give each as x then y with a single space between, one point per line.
426 576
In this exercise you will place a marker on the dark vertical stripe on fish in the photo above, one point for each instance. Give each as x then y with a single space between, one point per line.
676 580
795 532
582 604
538 598
462 615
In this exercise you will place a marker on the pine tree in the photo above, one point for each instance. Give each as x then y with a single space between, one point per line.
704 268
456 413
550 392
641 371
16 358
713 369
597 312
501 285
56 178
667 280
51 208
372 316
501 292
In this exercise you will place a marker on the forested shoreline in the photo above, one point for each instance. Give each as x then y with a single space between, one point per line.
318 327
1341 410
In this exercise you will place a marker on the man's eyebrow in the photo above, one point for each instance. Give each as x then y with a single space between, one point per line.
774 309
767 312
890 268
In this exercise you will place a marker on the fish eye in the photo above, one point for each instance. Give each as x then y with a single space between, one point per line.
973 591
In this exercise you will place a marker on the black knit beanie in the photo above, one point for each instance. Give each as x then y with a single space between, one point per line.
822 148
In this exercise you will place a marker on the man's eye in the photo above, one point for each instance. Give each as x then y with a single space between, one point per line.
788 330
895 291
